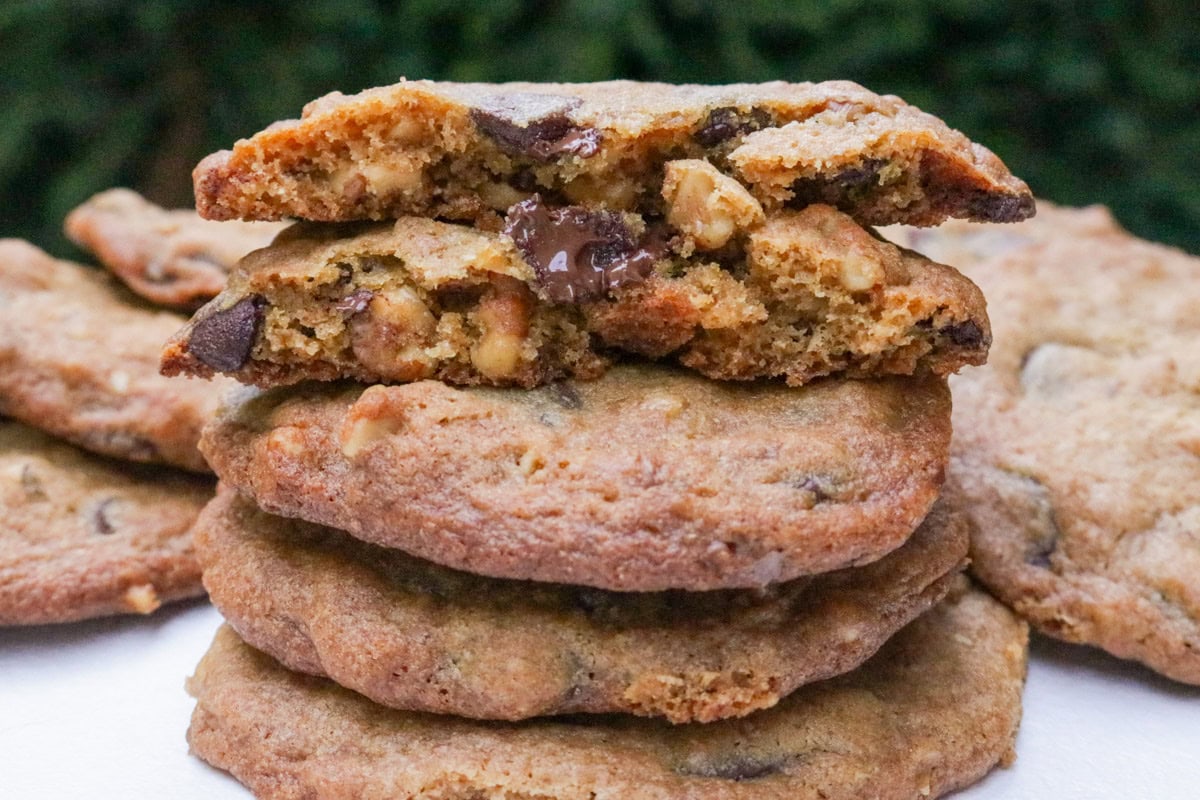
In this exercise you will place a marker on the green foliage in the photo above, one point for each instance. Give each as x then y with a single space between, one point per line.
1088 101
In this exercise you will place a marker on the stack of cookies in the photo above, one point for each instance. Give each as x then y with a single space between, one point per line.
602 401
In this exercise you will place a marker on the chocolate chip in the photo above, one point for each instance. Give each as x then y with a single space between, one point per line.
723 124
536 126
31 484
223 340
736 768
820 486
565 395
993 207
101 519
355 303
578 255
964 334
839 189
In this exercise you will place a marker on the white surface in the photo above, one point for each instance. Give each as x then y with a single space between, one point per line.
97 710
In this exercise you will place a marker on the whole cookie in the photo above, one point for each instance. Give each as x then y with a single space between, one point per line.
462 151
1078 446
171 258
812 294
645 479
415 636
83 536
933 711
79 358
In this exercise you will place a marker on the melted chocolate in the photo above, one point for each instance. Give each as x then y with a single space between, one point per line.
579 255
723 124
505 121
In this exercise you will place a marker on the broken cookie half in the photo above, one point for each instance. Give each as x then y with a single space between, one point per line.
718 286
467 151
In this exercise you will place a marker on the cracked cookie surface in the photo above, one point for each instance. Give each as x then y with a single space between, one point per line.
415 636
1078 446
79 359
172 258
647 478
563 292
464 151
933 711
83 536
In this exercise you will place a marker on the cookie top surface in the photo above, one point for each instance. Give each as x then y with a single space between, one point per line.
79 358
647 478
416 636
463 150
171 258
934 710
1078 446
797 295
83 536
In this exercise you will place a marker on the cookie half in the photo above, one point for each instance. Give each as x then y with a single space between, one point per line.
79 358
415 636
83 536
797 296
171 258
933 711
1078 446
646 479
463 151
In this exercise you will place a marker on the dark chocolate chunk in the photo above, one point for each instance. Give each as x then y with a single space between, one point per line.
735 768
840 189
101 519
964 334
355 303
578 255
536 126
993 207
820 486
723 124
223 340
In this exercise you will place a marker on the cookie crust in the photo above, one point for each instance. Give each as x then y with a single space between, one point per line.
83 536
172 258
935 710
1078 446
646 479
462 151
79 359
415 636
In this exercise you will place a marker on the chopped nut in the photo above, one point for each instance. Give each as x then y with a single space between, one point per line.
609 192
707 205
390 334
503 319
142 599
361 431
858 274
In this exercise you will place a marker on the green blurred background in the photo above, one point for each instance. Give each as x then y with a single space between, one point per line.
1088 101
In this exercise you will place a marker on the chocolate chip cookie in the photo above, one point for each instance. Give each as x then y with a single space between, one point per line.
82 536
933 711
171 258
646 479
415 636
464 151
79 358
1078 446
809 294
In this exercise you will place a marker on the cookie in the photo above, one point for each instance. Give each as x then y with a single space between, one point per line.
813 294
83 536
415 636
464 151
933 711
171 258
646 479
79 359
1078 446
